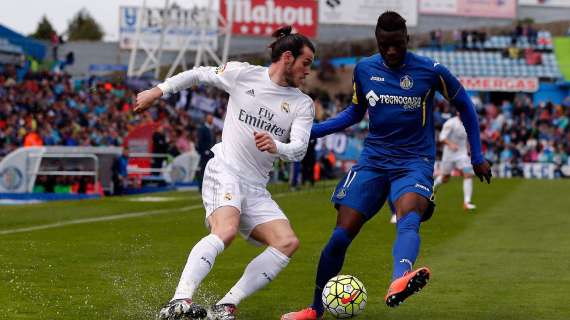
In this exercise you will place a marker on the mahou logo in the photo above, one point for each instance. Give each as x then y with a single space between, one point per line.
262 17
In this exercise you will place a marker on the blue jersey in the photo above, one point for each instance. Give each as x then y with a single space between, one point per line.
400 105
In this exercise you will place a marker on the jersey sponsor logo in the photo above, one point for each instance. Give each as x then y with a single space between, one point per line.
421 186
376 78
372 98
250 92
285 107
406 82
262 120
408 103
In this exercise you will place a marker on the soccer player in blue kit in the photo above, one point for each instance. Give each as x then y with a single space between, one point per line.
397 162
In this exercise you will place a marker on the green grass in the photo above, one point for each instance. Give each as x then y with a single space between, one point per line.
562 48
508 260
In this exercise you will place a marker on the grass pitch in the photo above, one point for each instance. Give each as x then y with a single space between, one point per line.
75 260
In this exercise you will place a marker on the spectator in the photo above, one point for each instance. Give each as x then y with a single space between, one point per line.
120 174
206 140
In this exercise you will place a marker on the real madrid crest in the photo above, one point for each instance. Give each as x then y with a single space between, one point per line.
228 196
285 107
406 82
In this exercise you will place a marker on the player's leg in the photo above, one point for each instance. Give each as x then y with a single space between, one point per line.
357 197
411 192
281 243
445 172
224 224
221 197
262 222
467 171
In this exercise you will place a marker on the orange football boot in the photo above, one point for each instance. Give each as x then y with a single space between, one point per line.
405 286
305 314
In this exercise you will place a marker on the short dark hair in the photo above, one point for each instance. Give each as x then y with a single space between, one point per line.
287 41
391 21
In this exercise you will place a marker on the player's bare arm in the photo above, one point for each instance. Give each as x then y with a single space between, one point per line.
146 98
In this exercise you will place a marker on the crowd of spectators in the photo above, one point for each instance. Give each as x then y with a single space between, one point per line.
54 109
514 131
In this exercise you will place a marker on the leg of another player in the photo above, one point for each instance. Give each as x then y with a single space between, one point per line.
439 180
405 282
281 243
348 225
467 191
224 224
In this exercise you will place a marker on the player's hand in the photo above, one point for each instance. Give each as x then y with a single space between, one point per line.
146 98
483 171
453 146
265 142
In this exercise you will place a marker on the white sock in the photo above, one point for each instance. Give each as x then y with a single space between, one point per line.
437 182
467 190
200 262
258 273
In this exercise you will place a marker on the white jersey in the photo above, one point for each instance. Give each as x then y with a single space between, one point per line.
256 104
454 132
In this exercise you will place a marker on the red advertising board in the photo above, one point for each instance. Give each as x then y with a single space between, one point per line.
500 84
262 17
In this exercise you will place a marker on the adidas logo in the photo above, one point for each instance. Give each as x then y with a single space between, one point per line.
250 92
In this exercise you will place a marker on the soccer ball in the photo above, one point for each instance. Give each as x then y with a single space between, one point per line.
344 296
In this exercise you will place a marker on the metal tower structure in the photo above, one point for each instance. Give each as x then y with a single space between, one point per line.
202 48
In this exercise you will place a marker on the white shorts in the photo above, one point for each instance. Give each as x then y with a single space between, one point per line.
221 187
463 164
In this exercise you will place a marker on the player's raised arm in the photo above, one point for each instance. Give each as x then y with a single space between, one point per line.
348 117
222 77
454 92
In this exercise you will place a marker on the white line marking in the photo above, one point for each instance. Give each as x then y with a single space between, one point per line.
122 216
98 219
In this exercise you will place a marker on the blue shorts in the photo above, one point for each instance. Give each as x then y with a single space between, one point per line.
365 189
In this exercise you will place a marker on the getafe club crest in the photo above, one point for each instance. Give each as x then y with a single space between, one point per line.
406 82
285 107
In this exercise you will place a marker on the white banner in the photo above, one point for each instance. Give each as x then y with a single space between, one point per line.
506 9
545 3
529 170
181 26
365 12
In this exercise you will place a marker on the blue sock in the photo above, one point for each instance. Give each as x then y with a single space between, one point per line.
332 258
407 244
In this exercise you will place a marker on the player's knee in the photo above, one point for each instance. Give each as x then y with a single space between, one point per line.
227 233
287 244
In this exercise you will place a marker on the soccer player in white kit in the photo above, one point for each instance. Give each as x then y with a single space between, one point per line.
267 118
455 156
